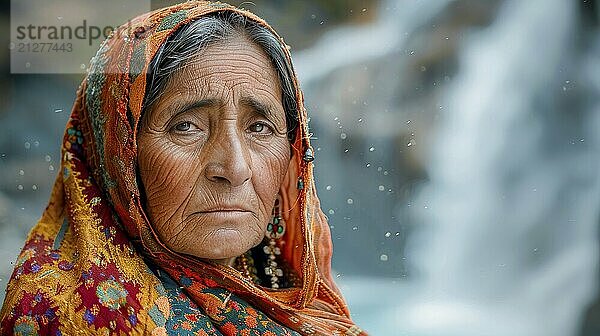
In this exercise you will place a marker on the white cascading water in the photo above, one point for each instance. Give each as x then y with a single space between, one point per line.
511 241
508 243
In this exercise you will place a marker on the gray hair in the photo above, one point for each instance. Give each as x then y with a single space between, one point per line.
199 34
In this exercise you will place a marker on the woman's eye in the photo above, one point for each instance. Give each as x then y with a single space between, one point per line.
260 127
183 126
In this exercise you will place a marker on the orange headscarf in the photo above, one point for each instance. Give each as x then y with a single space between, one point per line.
93 263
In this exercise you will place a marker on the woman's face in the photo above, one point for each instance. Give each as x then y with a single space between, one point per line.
213 152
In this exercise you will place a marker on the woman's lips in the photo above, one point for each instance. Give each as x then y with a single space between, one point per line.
226 214
226 210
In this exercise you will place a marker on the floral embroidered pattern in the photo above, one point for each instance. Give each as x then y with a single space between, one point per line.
223 310
111 294
75 139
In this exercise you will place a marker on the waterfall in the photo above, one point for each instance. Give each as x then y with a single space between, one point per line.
509 245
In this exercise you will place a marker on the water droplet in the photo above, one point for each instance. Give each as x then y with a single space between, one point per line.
354 228
21 172
58 110
368 165
331 212
27 145
381 188
371 149
338 275
36 143
535 249
410 143
346 150
59 18
28 65
412 52
423 68
379 169
350 201
313 16
322 22
388 234
343 136
383 257
48 158
360 120
11 46
328 187
50 167
318 149
364 10
34 187
397 233
336 119
20 187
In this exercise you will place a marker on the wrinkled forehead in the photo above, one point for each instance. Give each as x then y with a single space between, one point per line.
233 70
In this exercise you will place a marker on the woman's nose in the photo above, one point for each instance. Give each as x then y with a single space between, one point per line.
228 160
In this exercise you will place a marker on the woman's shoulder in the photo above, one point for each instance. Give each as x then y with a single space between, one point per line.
53 290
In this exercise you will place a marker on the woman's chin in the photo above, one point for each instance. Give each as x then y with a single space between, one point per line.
222 243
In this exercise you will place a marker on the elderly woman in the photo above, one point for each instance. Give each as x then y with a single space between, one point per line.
186 201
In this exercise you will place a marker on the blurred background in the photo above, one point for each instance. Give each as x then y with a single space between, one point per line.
457 157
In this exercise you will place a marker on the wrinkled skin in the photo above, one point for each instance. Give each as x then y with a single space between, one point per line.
210 161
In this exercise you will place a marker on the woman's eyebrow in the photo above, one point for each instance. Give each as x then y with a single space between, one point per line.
180 107
263 109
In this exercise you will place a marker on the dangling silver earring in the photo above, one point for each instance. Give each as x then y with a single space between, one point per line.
275 230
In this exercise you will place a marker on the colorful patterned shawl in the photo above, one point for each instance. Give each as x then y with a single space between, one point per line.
93 264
